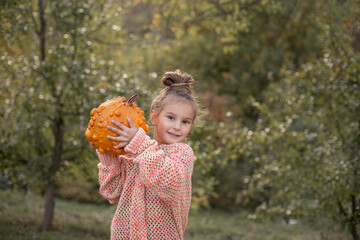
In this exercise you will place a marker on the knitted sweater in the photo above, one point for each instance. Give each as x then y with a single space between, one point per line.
151 185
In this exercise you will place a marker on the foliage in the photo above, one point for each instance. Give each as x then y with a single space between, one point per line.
279 82
79 71
50 85
234 48
302 157
217 167
309 138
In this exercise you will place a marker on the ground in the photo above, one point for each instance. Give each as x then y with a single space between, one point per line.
20 215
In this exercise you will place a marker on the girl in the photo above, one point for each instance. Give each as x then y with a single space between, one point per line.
151 184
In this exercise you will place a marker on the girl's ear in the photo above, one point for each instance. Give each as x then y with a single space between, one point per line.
153 117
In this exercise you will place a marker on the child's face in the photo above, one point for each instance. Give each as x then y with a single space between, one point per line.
174 122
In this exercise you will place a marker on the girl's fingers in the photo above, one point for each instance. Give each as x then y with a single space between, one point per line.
131 124
117 139
114 129
118 124
121 140
125 133
120 145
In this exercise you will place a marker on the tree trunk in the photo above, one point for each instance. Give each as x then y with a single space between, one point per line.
354 219
41 32
49 207
354 233
58 131
49 203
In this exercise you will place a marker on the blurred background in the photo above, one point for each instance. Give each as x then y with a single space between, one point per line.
277 144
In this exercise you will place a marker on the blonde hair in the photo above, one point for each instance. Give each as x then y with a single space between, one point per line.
177 84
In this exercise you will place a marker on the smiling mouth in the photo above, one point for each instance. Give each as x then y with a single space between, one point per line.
174 135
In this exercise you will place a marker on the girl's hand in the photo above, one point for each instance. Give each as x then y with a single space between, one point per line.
125 133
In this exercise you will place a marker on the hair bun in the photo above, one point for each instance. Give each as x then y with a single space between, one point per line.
178 80
176 77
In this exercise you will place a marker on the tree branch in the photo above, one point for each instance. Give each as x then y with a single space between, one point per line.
342 210
37 30
42 30
75 155
337 124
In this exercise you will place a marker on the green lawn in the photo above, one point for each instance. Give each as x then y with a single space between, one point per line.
20 215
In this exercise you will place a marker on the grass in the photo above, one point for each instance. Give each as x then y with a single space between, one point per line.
20 215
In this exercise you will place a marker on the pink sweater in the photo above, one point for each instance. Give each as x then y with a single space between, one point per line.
151 185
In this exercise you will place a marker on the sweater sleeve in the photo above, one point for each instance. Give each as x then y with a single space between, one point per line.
139 143
169 175
111 176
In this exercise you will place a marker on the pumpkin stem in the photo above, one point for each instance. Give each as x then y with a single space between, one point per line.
130 100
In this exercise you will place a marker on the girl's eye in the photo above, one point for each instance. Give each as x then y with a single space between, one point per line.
170 117
186 122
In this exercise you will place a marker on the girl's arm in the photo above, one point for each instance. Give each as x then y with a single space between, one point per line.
111 176
169 175
112 169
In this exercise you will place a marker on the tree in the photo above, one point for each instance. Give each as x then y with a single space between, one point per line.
57 64
309 134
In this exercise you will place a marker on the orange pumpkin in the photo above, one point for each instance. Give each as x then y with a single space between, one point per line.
118 109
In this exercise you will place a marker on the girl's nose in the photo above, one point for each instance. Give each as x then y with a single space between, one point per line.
177 125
